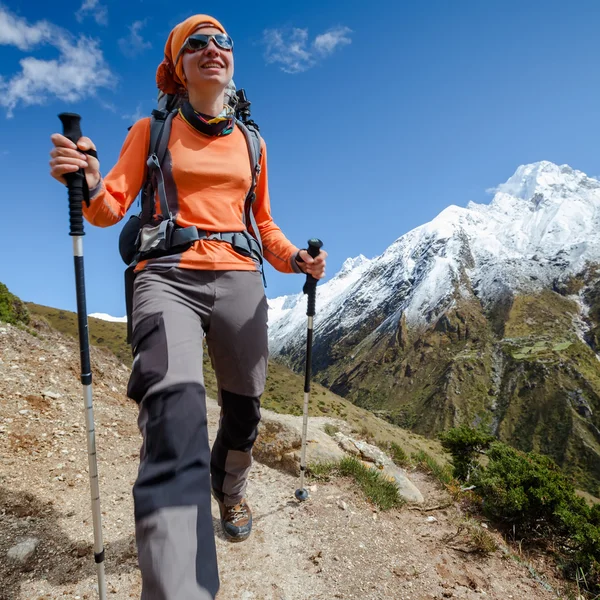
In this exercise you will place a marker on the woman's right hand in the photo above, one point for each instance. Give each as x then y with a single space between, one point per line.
66 157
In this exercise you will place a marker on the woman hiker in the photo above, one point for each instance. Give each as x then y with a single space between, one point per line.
209 290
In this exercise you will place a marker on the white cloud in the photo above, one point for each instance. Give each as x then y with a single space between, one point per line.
134 43
77 72
15 31
327 42
93 8
492 190
295 53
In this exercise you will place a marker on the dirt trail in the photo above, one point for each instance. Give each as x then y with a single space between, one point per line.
333 546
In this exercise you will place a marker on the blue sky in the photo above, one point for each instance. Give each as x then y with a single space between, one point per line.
376 115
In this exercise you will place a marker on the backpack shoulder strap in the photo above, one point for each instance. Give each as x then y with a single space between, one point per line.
253 140
160 132
157 123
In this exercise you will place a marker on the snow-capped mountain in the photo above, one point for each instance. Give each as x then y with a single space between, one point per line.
541 225
489 316
107 317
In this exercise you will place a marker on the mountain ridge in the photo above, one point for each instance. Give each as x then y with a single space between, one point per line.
462 318
455 225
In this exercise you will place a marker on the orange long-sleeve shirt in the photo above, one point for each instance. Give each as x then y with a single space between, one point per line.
212 176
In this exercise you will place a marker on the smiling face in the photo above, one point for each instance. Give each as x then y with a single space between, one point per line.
210 67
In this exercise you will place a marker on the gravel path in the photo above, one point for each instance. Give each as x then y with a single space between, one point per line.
333 546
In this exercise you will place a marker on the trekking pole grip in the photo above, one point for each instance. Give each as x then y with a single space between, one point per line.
75 181
310 287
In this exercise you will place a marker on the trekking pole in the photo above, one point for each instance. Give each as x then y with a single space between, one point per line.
75 184
310 289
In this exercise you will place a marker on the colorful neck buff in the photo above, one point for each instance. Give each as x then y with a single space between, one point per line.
222 124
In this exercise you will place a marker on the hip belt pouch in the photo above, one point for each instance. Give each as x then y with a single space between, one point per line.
156 238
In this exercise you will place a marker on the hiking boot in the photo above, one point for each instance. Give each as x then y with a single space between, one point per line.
236 520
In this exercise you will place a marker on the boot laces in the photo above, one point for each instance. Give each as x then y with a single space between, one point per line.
237 512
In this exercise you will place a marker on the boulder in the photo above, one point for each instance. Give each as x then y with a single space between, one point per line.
279 445
279 442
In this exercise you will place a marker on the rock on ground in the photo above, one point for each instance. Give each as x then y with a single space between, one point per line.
280 440
23 551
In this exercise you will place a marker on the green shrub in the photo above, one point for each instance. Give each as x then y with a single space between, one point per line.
465 444
530 493
525 490
12 309
582 546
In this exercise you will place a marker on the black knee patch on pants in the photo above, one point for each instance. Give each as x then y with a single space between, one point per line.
238 431
239 420
174 470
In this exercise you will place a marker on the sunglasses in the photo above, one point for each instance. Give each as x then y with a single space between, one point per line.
199 41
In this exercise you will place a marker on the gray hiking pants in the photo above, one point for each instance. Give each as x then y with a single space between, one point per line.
173 309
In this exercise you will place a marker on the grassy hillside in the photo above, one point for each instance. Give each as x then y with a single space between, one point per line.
519 370
101 333
284 390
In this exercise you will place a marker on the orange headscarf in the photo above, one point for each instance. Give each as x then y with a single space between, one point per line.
169 77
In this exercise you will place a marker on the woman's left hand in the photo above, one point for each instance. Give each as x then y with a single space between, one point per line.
313 266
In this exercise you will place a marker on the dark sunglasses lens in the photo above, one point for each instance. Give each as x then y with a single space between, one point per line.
197 42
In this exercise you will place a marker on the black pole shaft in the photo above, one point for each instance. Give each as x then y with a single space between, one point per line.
76 185
82 322
310 289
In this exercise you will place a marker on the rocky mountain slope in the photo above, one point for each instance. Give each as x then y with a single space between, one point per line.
488 315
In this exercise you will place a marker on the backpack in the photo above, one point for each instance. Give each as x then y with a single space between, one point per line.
141 238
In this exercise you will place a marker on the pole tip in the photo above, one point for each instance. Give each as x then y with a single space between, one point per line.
301 494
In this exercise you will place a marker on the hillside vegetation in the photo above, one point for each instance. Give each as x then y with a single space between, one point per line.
525 368
284 391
